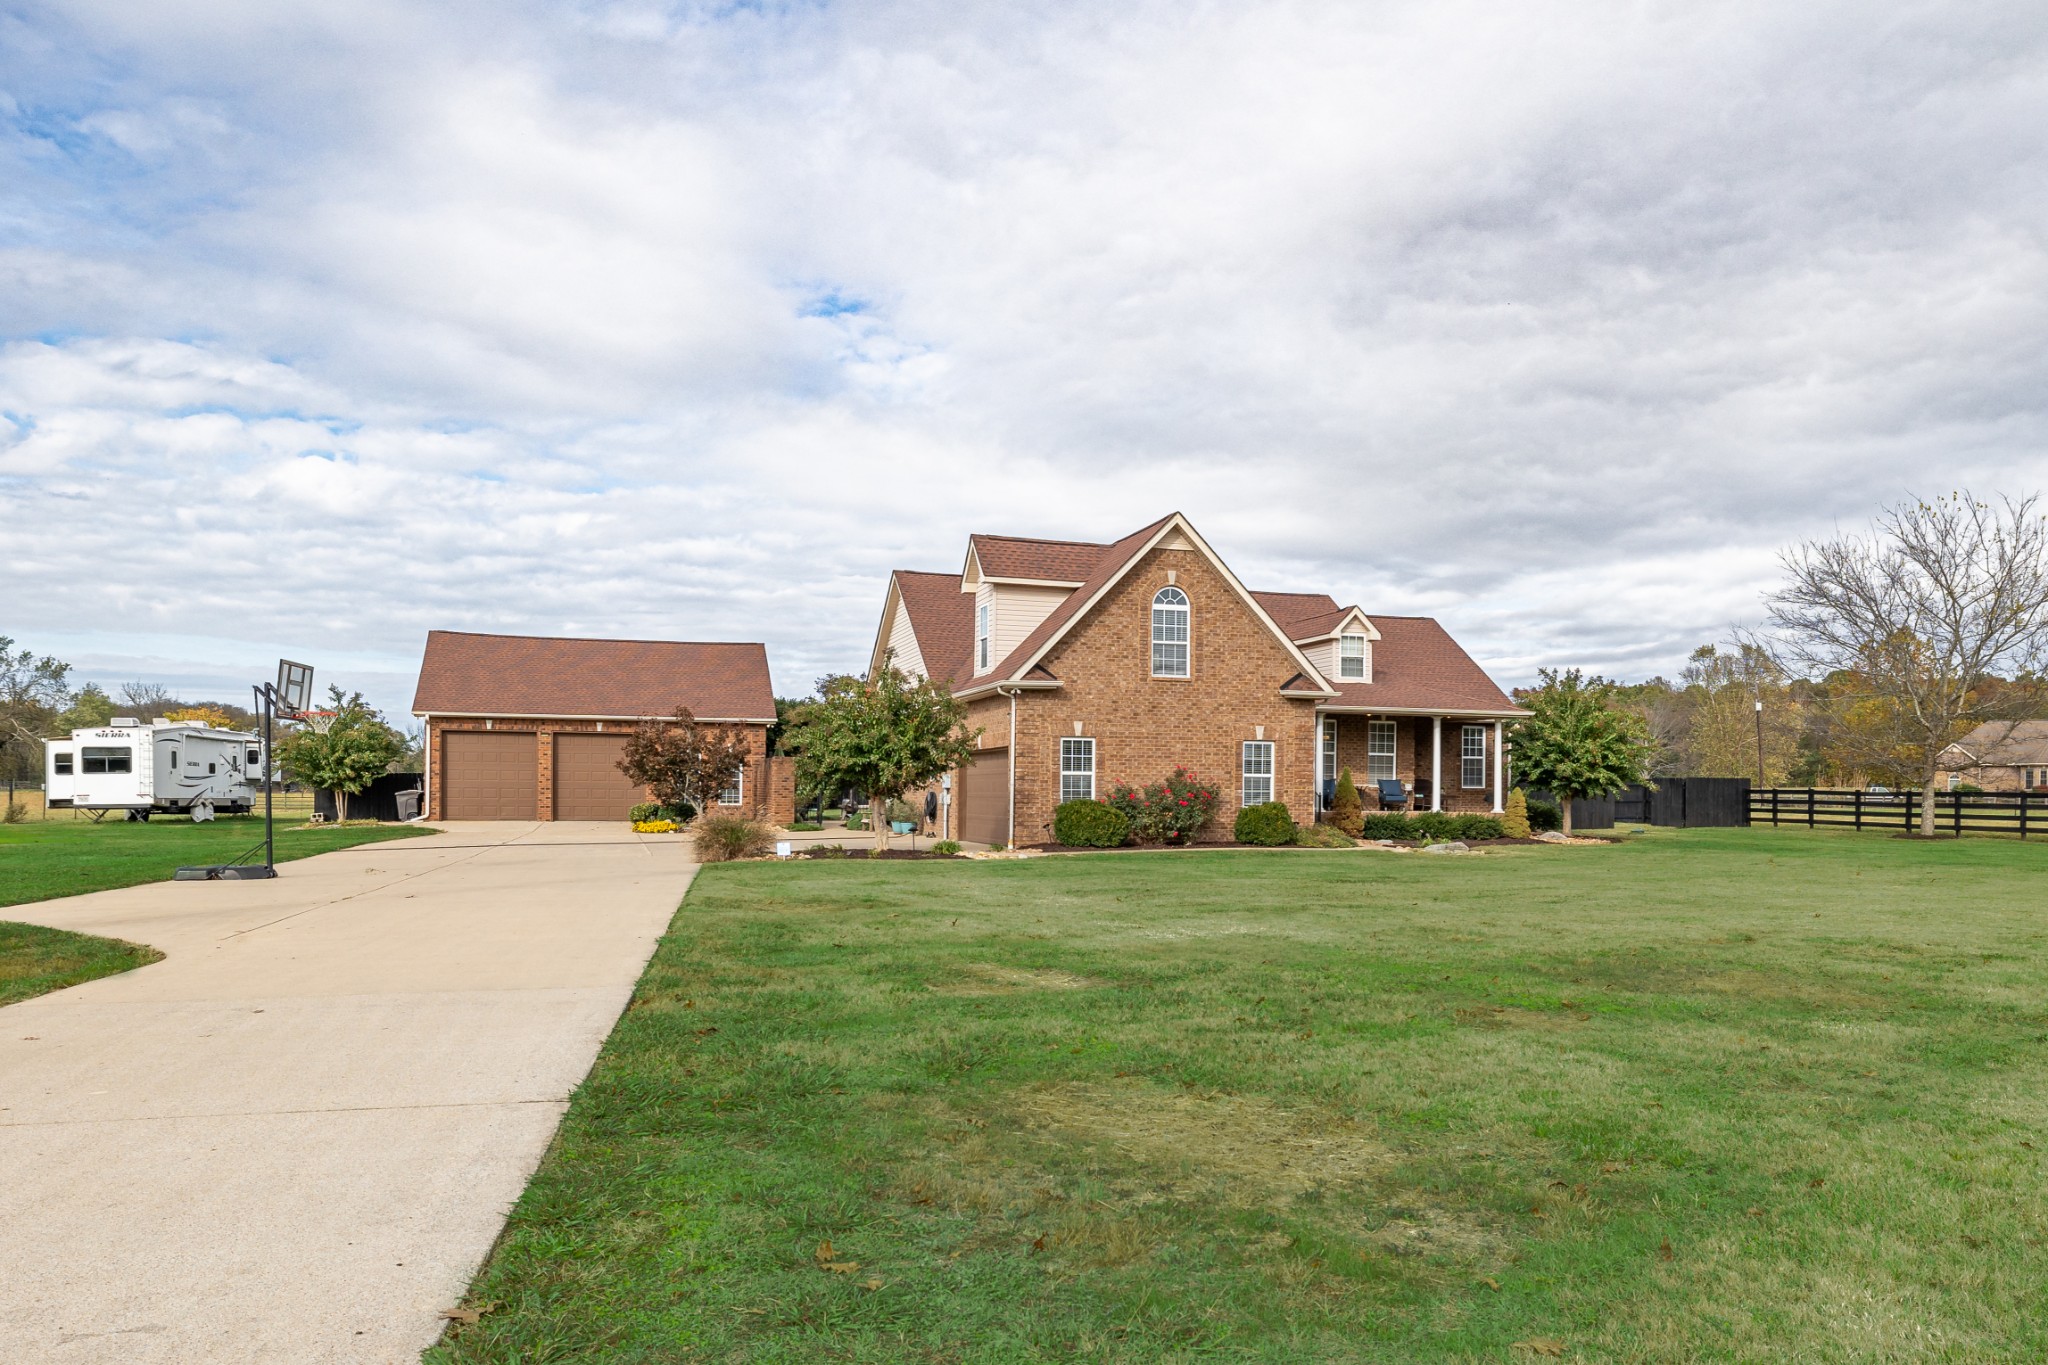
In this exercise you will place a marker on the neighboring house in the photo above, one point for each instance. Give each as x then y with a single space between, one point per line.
523 727
2001 756
1083 665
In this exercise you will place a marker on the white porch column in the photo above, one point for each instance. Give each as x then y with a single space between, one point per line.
1436 763
1315 800
1500 767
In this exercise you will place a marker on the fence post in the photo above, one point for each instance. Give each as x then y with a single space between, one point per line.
1911 798
1859 808
2023 814
1774 808
1809 808
1956 807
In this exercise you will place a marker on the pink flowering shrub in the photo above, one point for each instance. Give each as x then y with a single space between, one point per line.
1166 812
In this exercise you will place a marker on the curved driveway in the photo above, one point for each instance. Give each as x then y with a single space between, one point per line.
296 1137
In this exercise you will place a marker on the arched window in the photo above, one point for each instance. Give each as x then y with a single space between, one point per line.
1169 633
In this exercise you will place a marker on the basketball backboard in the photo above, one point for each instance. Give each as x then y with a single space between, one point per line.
294 685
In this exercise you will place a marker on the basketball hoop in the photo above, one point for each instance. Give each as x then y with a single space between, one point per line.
319 722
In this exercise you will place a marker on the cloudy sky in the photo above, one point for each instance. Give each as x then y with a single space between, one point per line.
325 324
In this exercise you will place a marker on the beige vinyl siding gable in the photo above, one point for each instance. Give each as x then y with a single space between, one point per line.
904 652
1014 612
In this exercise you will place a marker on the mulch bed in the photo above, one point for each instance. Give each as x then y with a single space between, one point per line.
887 855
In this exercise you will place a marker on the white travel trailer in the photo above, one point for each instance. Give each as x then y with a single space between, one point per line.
181 767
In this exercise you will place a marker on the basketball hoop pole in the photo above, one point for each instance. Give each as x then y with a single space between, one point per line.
268 695
293 688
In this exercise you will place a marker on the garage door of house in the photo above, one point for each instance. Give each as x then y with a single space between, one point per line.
985 798
488 775
588 783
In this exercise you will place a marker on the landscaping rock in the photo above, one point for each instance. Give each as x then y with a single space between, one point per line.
1550 836
1454 846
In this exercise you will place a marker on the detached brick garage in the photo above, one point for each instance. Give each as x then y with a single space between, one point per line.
525 727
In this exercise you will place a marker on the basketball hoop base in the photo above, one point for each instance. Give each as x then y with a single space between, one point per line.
225 872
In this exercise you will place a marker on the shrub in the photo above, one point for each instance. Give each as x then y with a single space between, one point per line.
721 837
946 848
645 811
997 847
1347 812
1165 812
1543 817
1480 827
1432 824
1267 823
1089 824
16 813
1321 836
682 813
1386 825
1515 824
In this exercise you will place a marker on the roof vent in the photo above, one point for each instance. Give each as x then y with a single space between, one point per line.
124 720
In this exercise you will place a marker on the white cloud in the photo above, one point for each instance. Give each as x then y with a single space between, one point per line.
335 324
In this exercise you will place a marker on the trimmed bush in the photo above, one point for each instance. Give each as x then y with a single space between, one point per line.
1432 824
1386 825
946 848
1321 836
1515 824
1267 823
721 838
1089 824
645 811
1480 827
1347 812
1544 817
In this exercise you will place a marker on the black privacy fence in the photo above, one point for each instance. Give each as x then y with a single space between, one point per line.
1955 813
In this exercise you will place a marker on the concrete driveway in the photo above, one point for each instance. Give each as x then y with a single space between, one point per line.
296 1137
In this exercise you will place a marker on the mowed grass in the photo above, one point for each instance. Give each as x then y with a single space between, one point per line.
1711 1095
35 960
40 860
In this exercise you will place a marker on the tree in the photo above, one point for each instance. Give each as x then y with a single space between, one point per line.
33 689
1347 812
90 708
354 750
1914 623
203 714
883 738
1722 688
146 700
682 762
1575 742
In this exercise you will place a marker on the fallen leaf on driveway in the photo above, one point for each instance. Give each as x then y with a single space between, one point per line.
1542 1346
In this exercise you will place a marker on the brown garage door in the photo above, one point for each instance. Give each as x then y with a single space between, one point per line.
490 776
985 798
588 783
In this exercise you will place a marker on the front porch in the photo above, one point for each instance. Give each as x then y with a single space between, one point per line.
1454 762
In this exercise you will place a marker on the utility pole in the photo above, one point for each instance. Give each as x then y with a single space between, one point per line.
1759 742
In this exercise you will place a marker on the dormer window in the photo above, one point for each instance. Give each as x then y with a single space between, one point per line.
1350 657
982 659
1170 633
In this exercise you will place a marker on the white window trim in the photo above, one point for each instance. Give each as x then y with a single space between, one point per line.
1393 754
1187 611
1245 775
738 788
983 623
1362 659
1081 745
1466 758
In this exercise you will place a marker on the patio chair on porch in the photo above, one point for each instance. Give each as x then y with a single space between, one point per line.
1393 796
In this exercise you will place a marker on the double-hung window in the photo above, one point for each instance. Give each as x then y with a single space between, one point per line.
1077 770
982 651
1169 633
1472 756
1379 750
1258 773
1351 658
731 795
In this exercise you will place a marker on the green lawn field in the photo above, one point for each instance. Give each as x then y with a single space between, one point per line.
35 960
42 859
1707 1095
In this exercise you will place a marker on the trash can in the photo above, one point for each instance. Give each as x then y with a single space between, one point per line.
409 803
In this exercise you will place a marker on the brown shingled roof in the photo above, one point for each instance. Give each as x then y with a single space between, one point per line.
1110 561
532 675
1054 561
942 618
1294 612
1417 666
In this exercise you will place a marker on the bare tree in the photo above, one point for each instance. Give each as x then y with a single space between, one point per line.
1913 625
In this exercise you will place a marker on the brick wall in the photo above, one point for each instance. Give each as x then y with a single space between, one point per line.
1411 760
1143 726
758 787
781 789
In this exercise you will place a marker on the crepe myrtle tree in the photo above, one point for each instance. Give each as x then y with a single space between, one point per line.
683 762
354 750
1575 742
882 737
1917 625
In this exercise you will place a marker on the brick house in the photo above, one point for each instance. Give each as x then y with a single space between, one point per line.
524 727
2001 756
1085 664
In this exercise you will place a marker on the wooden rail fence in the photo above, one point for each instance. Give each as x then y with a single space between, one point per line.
1955 813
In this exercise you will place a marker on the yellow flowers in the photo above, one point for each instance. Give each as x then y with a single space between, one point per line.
654 827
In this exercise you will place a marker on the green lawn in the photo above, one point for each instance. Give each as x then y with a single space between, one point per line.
1709 1095
34 959
42 859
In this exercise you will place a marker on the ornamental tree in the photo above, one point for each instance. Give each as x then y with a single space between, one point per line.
882 737
1576 743
345 758
682 762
